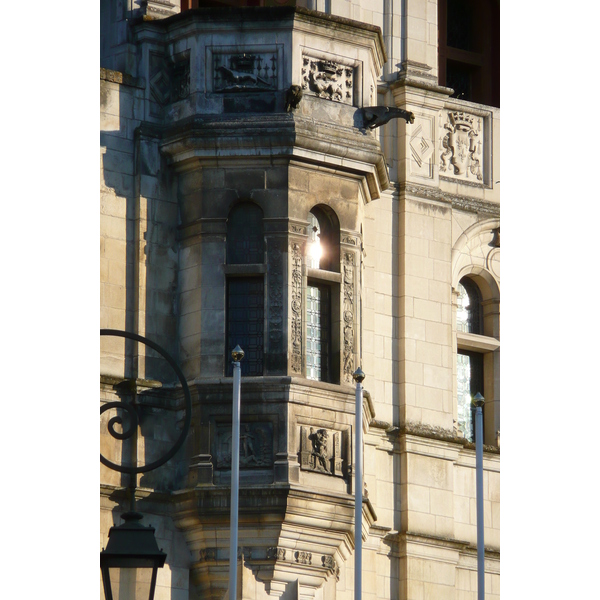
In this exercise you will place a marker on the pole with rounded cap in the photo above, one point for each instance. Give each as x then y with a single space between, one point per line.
359 377
237 354
478 402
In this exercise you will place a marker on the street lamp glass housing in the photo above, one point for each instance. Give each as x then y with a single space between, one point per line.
131 560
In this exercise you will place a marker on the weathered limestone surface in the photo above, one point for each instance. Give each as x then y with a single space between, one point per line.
193 124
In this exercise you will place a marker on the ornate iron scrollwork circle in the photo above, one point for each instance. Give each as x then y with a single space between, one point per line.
133 421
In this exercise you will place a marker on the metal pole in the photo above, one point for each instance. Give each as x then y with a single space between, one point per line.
358 376
237 354
478 402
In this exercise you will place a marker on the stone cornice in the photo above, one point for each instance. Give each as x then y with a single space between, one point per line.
457 201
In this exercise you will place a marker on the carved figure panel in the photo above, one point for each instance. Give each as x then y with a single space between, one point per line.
321 450
462 146
256 445
245 71
328 79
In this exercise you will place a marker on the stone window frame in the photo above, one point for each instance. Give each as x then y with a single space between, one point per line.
326 278
484 344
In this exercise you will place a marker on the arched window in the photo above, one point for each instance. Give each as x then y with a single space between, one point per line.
323 250
475 360
469 316
322 294
245 287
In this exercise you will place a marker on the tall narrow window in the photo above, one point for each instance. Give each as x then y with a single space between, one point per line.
322 295
474 359
245 321
245 287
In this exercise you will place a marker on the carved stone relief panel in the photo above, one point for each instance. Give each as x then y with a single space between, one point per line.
461 146
422 147
256 445
296 295
328 79
322 450
169 78
252 69
348 316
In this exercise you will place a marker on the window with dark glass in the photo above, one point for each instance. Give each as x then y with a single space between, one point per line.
245 321
245 287
469 373
469 315
469 49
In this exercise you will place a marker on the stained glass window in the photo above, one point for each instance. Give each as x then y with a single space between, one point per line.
245 322
317 332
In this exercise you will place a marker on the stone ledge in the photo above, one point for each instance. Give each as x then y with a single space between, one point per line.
121 78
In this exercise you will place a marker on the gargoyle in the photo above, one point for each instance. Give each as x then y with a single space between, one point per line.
375 116
293 97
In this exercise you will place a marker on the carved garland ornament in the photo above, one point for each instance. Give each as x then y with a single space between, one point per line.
348 316
462 146
296 359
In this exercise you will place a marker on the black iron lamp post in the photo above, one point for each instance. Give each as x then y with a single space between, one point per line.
131 545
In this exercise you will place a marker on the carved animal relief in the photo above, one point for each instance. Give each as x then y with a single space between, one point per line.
244 72
328 79
462 146
321 450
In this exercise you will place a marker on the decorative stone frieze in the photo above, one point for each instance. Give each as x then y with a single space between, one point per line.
303 558
328 79
462 146
275 553
321 450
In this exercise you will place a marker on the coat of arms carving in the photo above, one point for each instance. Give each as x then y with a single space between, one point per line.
462 146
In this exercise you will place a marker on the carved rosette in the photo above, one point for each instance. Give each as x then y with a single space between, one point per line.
328 79
321 451
462 146
348 316
275 283
296 357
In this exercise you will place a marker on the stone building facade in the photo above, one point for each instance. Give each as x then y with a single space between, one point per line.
250 196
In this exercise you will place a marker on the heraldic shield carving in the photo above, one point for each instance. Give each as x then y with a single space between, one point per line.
462 146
